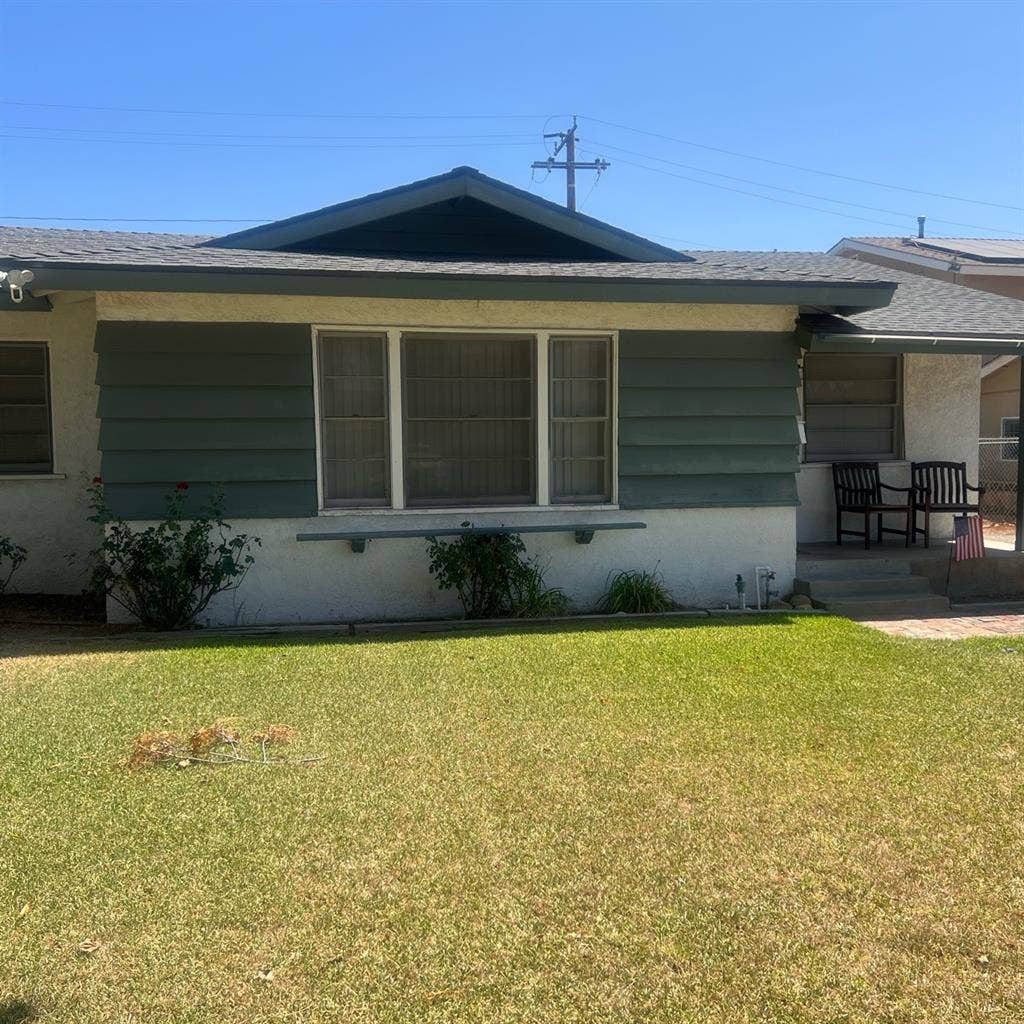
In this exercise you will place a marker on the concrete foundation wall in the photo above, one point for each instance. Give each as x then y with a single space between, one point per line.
697 551
941 394
47 513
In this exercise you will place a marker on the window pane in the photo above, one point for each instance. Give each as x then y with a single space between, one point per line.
25 443
580 419
852 406
354 422
469 423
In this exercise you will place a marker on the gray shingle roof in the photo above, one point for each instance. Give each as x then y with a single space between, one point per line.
60 247
966 251
925 306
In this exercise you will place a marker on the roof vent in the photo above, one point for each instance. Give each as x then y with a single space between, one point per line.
920 227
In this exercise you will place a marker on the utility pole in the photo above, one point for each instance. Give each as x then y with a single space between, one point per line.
567 141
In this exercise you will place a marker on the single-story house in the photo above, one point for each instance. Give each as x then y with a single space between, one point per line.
458 350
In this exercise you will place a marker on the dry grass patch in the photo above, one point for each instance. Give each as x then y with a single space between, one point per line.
790 821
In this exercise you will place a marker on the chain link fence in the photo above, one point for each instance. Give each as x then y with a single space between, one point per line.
997 472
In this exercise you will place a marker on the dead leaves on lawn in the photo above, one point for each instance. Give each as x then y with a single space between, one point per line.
215 744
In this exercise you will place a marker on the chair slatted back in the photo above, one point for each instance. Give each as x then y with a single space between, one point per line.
946 481
857 483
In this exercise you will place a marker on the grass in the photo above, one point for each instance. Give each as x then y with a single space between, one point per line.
785 820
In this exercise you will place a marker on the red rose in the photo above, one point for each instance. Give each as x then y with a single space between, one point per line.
182 486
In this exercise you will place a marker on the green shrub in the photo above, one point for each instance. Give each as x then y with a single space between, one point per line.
636 592
166 575
492 577
11 555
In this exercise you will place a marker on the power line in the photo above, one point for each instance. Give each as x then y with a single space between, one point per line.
272 113
148 220
261 145
798 192
757 195
273 138
798 167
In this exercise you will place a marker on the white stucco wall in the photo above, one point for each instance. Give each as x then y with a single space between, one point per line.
697 551
941 395
47 514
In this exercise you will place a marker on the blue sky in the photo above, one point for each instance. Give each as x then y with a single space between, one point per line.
928 96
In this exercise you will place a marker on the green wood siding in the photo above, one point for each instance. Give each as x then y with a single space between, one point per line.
227 405
707 419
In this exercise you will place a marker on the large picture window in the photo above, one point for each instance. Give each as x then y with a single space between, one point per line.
25 441
425 419
852 406
469 423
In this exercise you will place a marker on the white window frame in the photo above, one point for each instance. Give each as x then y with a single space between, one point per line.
543 426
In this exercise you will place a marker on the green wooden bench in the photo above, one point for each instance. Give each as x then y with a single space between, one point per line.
357 539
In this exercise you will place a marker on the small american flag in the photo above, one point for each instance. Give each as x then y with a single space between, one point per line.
968 540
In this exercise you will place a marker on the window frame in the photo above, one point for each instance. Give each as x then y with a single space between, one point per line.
318 375
1013 439
899 428
10 470
395 408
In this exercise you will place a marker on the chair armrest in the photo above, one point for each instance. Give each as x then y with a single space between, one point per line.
980 490
889 487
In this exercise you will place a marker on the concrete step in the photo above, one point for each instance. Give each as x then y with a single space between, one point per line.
851 568
919 606
831 589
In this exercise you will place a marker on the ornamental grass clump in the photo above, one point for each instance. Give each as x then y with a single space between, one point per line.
166 574
636 592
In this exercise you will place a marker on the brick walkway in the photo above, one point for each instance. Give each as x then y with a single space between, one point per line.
959 624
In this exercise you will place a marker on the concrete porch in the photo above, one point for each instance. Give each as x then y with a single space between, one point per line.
892 581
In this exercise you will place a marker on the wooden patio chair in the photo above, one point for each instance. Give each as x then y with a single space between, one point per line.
858 490
942 487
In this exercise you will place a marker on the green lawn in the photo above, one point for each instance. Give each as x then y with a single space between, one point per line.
779 820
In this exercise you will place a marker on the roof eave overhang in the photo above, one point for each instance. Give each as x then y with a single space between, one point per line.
934 259
846 296
950 344
933 262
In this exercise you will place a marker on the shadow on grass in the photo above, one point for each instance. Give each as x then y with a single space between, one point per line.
17 1011
22 644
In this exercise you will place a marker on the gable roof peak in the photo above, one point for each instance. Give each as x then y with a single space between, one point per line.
463 181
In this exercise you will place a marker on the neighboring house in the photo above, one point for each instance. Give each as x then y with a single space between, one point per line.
988 264
460 350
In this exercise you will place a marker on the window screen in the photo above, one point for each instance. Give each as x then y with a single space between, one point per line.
852 407
469 419
580 419
25 443
354 420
